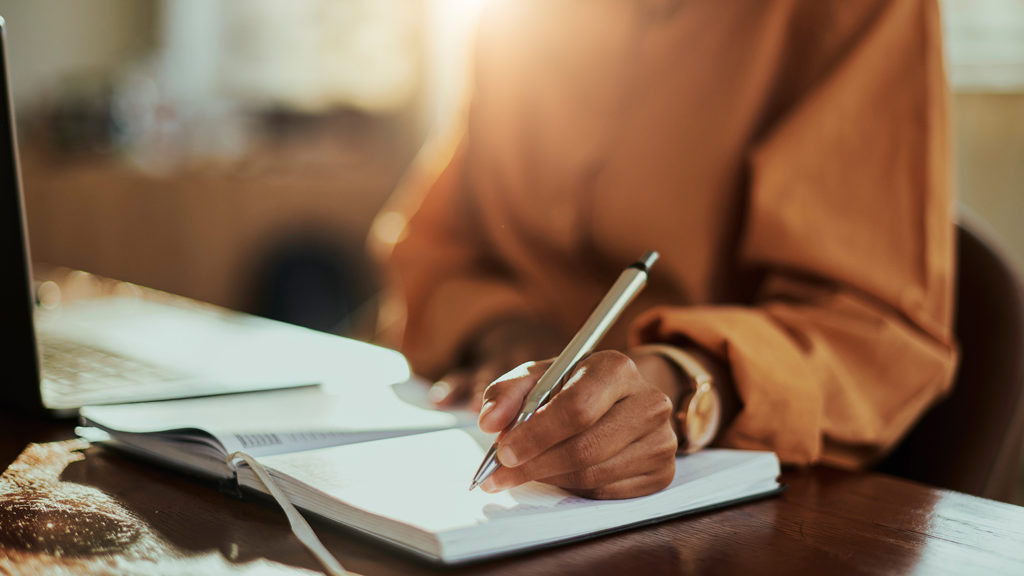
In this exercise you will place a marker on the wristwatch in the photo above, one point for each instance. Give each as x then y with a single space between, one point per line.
699 414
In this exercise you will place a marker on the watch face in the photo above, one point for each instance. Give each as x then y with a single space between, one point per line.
702 416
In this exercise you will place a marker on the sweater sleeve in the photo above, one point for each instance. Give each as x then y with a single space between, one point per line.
849 337
442 270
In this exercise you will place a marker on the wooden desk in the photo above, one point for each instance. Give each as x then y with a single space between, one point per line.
827 522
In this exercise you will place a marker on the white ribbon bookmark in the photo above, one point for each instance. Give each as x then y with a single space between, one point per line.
300 527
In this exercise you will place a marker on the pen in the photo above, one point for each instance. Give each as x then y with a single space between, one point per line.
622 292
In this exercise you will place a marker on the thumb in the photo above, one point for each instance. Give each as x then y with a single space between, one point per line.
504 397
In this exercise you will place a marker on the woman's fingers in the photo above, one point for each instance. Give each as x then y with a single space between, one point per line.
644 466
628 441
469 385
504 397
607 434
599 383
452 389
464 386
578 427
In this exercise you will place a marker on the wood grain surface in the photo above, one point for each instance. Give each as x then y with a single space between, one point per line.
98 511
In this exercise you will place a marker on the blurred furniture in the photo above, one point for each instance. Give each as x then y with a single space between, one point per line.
279 231
971 440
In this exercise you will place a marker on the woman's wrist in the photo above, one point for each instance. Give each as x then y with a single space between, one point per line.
699 386
662 373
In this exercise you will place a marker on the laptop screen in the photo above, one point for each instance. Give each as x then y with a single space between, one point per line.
21 391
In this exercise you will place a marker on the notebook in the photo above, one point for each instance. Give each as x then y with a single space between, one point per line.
196 434
132 349
411 492
383 463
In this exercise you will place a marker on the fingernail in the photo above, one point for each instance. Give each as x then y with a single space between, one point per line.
490 486
507 456
439 391
486 409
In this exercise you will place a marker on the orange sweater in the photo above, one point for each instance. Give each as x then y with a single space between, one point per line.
788 159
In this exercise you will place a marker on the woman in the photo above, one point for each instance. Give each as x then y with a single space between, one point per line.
787 158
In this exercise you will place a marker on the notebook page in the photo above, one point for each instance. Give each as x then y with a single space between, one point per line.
295 419
422 481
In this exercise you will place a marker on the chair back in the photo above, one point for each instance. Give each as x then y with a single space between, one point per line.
971 440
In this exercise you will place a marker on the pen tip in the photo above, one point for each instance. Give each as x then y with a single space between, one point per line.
473 485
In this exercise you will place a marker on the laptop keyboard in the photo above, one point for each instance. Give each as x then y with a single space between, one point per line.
74 370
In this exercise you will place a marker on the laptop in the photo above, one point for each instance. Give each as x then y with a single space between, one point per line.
130 349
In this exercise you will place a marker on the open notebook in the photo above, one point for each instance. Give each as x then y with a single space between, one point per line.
389 466
197 434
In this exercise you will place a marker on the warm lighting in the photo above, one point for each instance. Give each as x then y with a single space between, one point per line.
449 47
388 228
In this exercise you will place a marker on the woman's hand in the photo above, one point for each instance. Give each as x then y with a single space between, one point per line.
607 434
497 349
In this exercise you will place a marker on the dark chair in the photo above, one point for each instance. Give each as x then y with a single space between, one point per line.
971 440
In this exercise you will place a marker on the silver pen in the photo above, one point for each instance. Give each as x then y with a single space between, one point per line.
629 284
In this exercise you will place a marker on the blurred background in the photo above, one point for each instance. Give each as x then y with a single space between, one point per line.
233 151
237 151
